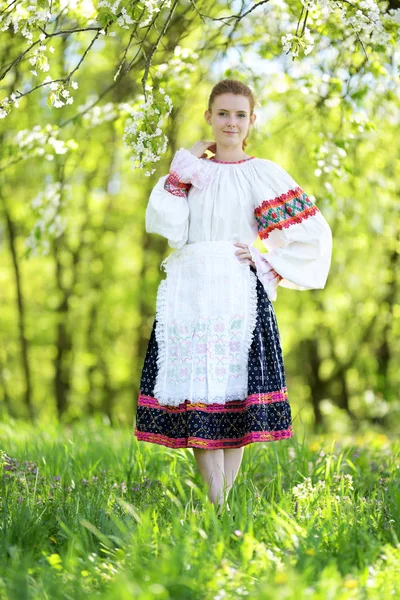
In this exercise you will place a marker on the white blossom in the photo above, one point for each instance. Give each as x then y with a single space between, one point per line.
146 148
50 224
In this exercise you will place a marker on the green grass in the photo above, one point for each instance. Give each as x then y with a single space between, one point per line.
90 512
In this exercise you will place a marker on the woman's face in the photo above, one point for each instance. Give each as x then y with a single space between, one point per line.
230 119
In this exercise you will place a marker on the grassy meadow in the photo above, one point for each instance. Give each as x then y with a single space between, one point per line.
87 511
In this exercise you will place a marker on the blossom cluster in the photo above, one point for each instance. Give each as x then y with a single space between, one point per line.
328 157
178 69
49 222
24 18
363 19
294 43
110 111
39 141
125 13
38 58
114 12
143 134
60 94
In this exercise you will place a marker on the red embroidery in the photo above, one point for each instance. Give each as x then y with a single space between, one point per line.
280 200
229 162
286 224
283 211
276 275
176 187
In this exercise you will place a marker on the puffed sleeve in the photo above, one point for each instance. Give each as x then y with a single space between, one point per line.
293 230
167 211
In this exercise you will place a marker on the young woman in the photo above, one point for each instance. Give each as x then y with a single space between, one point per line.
213 377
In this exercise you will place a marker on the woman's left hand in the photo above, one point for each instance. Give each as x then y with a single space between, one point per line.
243 254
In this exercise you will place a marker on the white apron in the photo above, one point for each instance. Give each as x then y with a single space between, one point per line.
206 313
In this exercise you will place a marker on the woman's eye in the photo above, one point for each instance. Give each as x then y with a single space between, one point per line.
222 114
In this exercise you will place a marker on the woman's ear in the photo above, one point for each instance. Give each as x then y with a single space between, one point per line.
207 116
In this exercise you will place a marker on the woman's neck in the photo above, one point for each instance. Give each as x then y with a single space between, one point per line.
227 156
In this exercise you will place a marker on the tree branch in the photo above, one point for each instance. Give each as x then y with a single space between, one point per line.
48 35
154 49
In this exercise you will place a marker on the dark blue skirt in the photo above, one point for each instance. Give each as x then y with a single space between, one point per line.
264 416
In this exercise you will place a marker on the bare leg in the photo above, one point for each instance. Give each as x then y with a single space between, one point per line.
211 467
232 461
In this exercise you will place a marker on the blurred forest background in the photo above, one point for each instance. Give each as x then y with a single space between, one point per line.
78 272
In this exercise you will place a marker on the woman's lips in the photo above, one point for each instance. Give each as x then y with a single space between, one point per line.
230 132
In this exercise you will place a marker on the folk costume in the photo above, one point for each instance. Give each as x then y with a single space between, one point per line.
213 375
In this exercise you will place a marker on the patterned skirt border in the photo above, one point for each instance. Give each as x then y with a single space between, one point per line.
233 406
193 442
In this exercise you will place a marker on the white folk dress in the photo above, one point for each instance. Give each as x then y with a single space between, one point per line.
214 356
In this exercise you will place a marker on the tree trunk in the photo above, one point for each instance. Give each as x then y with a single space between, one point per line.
21 311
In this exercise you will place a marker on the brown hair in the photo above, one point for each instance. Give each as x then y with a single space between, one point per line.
232 86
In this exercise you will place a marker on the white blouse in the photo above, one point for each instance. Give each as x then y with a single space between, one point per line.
204 200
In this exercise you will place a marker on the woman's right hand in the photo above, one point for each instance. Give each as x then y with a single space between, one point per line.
199 148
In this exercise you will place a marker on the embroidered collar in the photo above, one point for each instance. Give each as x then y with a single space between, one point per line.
233 162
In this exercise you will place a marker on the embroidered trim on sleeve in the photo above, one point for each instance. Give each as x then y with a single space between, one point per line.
283 211
176 187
